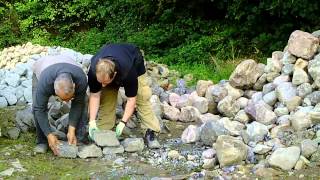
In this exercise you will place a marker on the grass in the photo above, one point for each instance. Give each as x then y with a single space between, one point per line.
221 71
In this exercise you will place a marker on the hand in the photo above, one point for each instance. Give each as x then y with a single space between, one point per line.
72 139
53 143
92 128
120 128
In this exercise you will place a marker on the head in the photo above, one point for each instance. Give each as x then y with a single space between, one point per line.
105 71
64 86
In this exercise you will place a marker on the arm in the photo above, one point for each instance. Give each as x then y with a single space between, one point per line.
129 109
94 103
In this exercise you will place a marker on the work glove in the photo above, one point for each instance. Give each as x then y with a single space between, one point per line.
92 128
120 128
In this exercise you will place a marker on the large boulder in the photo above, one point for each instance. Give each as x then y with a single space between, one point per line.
246 74
303 44
230 150
285 158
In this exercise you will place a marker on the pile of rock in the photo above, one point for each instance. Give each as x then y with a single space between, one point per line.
258 114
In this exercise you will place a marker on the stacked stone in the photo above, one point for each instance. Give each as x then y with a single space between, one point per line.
265 114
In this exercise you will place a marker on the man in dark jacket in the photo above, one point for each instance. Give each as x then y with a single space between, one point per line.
114 66
61 76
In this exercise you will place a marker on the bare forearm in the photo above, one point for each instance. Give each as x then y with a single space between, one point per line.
129 109
94 102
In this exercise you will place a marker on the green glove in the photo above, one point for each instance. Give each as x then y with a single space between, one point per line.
92 128
120 128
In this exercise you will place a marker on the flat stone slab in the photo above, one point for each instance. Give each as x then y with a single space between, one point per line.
133 144
106 138
113 150
67 151
89 151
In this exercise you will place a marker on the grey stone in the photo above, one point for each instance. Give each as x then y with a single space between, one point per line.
243 102
230 150
261 112
270 98
208 117
67 151
27 83
189 114
268 88
246 74
280 111
285 158
308 147
19 92
13 133
287 69
300 120
242 117
304 89
202 87
285 92
21 69
314 98
299 77
27 93
283 120
10 97
113 150
281 79
228 106
106 138
133 144
256 131
273 65
201 104
12 79
210 131
156 105
3 102
234 127
208 154
314 67
88 151
209 163
261 149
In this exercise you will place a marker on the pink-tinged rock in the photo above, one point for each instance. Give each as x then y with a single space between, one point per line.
191 134
303 44
189 114
173 99
261 112
183 101
171 112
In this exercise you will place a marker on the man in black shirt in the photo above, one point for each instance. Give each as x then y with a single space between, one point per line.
114 66
62 76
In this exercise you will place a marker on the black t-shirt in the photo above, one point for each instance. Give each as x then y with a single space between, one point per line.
129 66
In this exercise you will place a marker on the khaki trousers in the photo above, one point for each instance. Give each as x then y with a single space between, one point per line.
108 103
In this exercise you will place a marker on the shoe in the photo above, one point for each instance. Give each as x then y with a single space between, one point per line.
151 140
41 148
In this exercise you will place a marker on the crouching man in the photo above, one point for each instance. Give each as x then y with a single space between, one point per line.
117 65
57 76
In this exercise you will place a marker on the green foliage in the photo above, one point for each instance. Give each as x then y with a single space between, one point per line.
174 32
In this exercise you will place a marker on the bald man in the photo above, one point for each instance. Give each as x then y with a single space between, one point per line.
57 76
